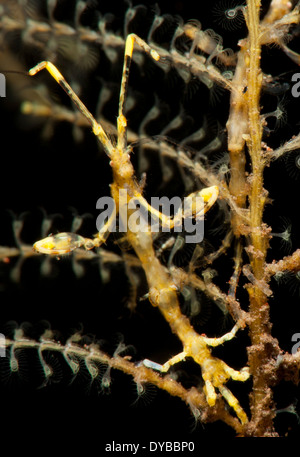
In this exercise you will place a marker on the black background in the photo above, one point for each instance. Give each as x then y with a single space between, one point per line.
58 175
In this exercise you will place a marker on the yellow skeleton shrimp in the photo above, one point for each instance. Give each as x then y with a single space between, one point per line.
162 290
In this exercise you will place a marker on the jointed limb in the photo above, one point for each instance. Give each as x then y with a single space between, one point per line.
65 242
97 128
214 342
122 122
215 372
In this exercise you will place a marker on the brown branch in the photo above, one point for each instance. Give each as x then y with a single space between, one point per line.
289 263
263 347
289 367
141 374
